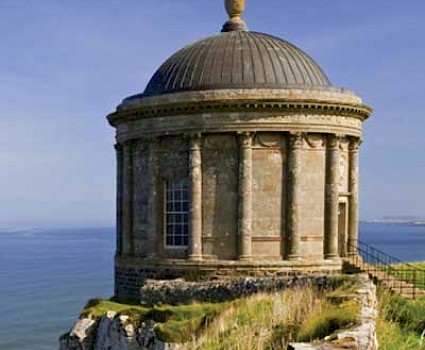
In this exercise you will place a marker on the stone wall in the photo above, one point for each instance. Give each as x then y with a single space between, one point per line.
312 188
177 292
220 196
269 195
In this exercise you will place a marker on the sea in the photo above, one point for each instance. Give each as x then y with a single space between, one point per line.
47 276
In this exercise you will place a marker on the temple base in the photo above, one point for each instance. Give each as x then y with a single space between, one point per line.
132 272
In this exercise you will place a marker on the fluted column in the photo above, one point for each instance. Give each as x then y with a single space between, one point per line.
332 197
353 206
296 142
119 196
127 200
245 196
195 219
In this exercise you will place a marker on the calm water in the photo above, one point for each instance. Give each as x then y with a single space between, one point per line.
47 276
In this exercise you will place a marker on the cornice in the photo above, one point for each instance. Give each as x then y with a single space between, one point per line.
358 111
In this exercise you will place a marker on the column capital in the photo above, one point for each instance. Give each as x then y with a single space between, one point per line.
296 140
194 141
245 138
333 141
354 144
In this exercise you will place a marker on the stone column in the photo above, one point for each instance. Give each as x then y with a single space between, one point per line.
296 142
119 196
195 195
140 198
332 197
127 200
245 196
353 206
154 239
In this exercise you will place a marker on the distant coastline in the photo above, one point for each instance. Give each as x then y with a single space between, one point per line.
396 221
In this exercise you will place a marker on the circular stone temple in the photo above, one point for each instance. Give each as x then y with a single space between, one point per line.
239 159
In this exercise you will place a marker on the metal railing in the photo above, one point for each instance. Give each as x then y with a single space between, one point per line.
392 273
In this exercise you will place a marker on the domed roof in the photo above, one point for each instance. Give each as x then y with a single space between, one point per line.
237 59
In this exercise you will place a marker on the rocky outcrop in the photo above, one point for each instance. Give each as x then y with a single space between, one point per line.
114 332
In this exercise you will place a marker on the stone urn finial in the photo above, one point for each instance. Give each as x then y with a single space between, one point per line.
235 9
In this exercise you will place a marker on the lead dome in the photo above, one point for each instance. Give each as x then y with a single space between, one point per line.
237 59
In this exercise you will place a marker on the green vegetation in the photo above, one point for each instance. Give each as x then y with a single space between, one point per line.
174 323
406 273
264 321
401 325
269 322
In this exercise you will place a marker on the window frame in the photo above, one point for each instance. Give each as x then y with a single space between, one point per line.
178 205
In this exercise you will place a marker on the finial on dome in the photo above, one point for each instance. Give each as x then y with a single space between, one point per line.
234 8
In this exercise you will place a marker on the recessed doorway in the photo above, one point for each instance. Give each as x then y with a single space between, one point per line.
342 229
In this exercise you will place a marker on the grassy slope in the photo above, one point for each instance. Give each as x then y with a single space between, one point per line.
258 322
401 325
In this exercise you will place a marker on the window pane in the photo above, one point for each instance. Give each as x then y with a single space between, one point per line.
177 213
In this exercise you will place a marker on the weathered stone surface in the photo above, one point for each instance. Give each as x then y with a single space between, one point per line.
81 336
155 292
114 332
254 196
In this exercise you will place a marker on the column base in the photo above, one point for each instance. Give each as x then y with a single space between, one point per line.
195 257
332 256
245 258
294 257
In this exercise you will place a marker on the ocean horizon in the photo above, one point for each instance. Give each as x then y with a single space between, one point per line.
47 275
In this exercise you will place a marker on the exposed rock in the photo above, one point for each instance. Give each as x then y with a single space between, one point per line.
81 336
114 332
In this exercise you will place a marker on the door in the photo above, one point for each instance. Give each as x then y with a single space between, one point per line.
342 229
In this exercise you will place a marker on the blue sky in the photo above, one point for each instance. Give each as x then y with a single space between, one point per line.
65 64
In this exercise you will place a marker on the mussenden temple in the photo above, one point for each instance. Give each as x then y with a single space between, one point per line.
240 158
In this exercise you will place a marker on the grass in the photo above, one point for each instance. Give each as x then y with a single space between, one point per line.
259 322
401 325
174 323
406 273
269 322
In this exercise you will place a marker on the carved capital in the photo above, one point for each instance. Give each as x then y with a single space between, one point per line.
195 141
296 140
344 144
354 144
245 139
333 141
